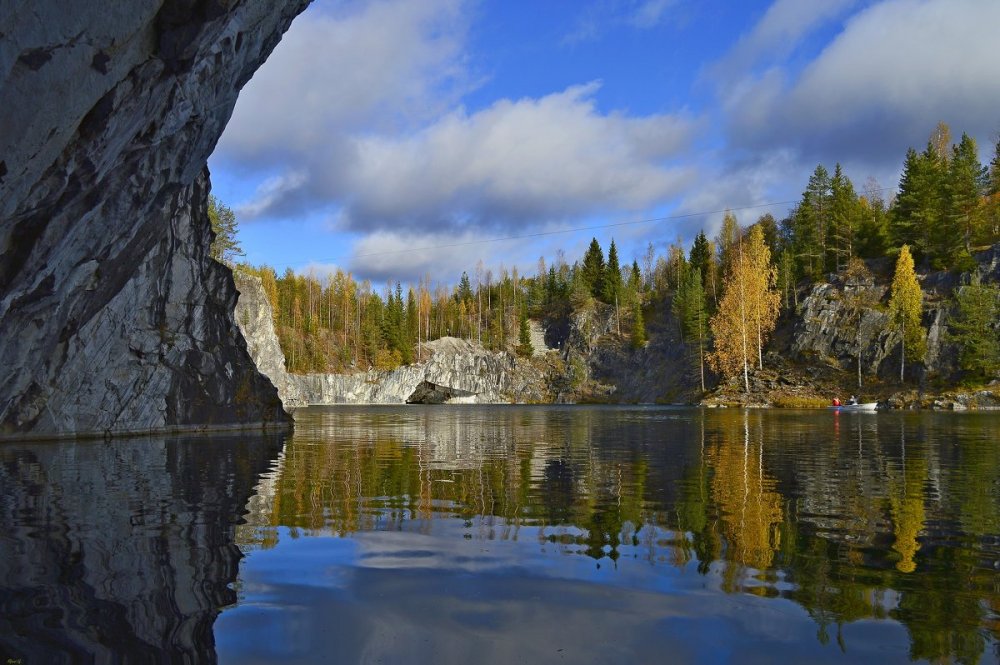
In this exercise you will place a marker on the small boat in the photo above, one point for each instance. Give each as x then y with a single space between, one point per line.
865 406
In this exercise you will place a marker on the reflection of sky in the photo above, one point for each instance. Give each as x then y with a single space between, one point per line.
420 577
410 597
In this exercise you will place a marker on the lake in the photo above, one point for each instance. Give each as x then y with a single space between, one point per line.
499 534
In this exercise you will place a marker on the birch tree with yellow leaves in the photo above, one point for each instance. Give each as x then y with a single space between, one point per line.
905 308
748 311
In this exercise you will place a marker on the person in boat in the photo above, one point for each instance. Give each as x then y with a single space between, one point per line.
836 401
852 401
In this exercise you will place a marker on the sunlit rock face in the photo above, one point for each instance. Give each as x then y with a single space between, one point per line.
113 317
454 371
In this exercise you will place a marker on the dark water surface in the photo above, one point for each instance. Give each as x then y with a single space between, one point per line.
512 534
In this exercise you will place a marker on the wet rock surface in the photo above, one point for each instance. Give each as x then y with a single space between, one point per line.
113 316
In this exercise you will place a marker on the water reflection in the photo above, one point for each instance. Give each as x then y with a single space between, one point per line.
121 551
864 522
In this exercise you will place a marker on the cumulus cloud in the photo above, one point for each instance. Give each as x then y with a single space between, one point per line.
881 85
517 162
382 139
408 256
784 26
381 65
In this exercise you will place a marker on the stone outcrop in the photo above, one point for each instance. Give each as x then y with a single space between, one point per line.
831 327
113 317
457 371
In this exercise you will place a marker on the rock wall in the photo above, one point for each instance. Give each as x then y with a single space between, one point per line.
113 317
831 328
456 371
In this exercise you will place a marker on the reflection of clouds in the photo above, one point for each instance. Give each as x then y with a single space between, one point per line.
525 500
450 602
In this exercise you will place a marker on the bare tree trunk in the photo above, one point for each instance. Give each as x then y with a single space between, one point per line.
743 326
902 353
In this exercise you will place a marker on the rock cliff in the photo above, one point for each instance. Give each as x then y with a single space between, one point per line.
839 317
113 317
457 371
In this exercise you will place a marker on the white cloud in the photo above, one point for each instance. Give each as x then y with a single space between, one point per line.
595 18
408 256
381 65
271 193
882 84
517 162
783 27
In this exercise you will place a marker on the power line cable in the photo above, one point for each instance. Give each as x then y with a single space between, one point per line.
540 234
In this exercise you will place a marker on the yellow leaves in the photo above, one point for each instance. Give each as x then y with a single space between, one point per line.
905 305
748 311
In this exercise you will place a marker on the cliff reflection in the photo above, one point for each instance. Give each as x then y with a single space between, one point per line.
893 517
121 551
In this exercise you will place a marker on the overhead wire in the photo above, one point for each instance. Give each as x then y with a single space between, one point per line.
595 227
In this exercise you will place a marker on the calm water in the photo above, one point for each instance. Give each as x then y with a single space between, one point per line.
512 534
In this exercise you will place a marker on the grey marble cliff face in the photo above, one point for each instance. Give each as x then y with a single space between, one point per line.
113 317
456 371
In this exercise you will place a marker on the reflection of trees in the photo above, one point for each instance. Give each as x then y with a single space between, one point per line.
906 500
857 523
749 508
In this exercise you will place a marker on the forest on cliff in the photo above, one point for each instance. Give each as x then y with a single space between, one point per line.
726 292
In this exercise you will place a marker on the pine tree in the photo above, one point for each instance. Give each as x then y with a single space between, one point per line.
873 222
965 213
638 327
991 229
919 205
225 248
524 347
592 271
612 287
975 329
905 306
844 220
689 307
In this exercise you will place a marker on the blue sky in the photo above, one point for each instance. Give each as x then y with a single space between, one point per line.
391 137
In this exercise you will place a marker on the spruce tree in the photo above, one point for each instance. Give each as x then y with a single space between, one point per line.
920 203
974 329
844 220
592 271
700 255
991 229
638 327
963 204
524 347
690 309
612 287
905 305
810 225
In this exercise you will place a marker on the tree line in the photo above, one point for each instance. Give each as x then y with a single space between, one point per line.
726 293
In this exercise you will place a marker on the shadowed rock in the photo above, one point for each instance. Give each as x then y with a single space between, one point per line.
113 316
